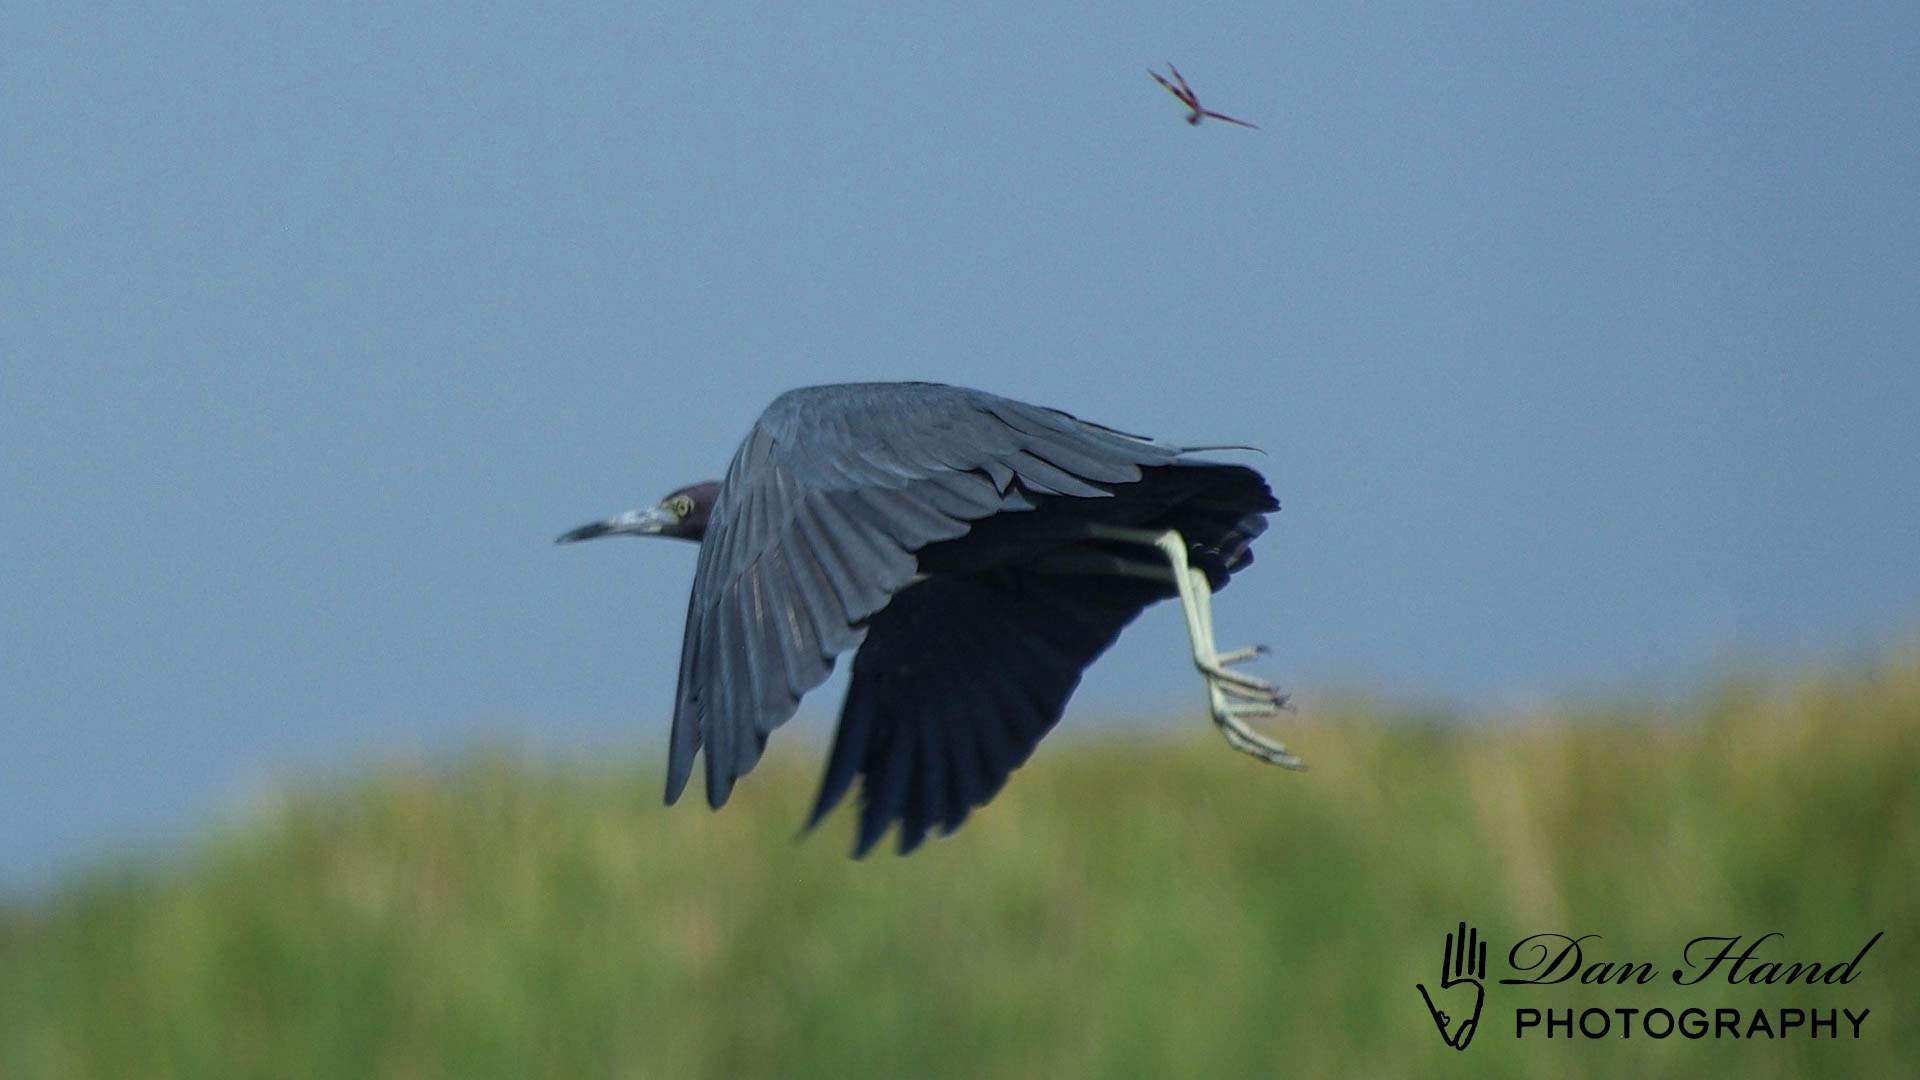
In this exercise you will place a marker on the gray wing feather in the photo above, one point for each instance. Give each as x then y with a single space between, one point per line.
816 526
837 568
1049 479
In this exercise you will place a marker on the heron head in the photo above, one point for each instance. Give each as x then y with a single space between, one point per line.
681 515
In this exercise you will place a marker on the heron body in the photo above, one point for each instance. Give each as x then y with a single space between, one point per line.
980 551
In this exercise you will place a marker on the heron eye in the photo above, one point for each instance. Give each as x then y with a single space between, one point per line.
681 506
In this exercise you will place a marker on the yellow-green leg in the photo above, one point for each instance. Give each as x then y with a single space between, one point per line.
1233 697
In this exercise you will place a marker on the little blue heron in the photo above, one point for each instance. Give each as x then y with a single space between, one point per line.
988 550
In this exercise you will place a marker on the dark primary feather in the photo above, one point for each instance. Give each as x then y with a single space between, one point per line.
817 525
959 678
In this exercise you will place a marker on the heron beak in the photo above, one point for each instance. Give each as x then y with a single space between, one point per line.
648 522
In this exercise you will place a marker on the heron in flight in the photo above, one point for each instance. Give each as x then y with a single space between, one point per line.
987 549
1185 93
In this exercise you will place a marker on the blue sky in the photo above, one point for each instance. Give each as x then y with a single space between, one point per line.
1584 345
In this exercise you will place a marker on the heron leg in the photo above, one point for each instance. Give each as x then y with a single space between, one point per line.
1196 603
1233 697
1237 682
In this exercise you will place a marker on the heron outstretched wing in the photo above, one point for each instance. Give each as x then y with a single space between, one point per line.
962 674
817 525
960 677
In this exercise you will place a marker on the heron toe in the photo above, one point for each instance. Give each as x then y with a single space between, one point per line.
1231 718
1239 683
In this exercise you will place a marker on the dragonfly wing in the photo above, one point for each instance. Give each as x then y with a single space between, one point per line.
1174 90
1228 119
1187 91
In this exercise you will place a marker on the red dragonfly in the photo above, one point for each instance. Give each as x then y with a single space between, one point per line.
1185 94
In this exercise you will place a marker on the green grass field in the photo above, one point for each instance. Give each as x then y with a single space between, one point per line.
1127 907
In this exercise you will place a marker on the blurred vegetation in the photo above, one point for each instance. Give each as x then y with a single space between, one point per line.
1126 907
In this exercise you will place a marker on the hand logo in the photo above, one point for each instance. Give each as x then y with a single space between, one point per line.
1463 964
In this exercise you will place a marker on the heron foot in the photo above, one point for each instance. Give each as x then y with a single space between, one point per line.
1239 683
1231 718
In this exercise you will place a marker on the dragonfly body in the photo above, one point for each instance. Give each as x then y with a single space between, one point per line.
1195 111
